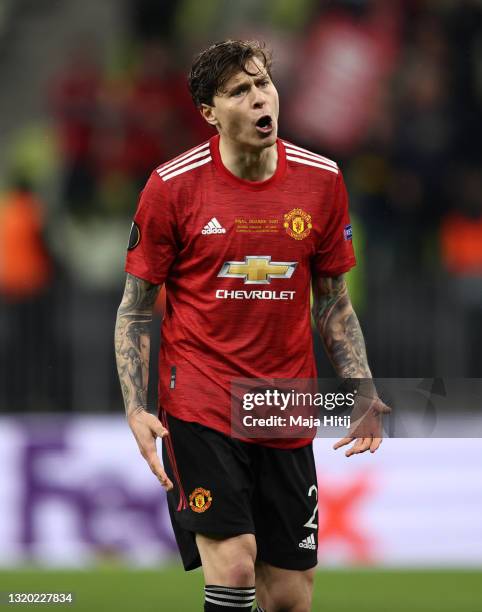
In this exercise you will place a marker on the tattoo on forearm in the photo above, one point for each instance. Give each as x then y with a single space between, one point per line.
132 341
339 328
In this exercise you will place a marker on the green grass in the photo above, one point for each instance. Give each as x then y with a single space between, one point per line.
170 589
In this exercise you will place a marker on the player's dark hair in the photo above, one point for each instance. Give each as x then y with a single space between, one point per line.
214 66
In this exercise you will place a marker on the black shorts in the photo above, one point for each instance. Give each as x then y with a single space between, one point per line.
226 487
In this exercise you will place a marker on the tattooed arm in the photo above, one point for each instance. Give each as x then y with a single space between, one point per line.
343 339
133 340
339 328
132 345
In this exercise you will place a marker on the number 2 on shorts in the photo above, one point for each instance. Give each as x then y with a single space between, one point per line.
311 521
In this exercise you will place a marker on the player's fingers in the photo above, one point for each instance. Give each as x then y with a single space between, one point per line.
360 446
160 430
158 470
375 445
365 445
342 442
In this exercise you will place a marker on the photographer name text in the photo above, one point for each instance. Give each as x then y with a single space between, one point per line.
297 421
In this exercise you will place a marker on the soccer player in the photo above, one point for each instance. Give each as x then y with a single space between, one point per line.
245 210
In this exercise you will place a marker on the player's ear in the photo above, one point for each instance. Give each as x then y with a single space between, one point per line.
208 113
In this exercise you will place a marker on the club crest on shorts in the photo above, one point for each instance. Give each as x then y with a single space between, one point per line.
200 500
297 223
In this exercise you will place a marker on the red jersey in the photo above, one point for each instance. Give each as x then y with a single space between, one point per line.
237 259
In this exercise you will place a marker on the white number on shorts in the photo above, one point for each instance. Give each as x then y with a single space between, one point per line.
311 521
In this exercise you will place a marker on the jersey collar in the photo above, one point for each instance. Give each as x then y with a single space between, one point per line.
243 183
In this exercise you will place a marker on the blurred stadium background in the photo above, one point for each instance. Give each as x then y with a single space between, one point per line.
93 96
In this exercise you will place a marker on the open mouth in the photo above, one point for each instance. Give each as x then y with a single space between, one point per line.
264 125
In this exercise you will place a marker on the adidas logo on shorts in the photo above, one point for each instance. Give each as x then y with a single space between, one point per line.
308 542
213 227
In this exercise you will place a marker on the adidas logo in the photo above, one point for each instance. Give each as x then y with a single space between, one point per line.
213 227
308 542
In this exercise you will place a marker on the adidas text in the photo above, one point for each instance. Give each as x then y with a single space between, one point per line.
215 230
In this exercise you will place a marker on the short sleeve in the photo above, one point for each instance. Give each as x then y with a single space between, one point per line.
152 243
335 253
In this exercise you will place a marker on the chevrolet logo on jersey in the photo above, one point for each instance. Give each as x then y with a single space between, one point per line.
257 269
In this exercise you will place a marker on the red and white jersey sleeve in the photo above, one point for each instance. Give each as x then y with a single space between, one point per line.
335 254
152 243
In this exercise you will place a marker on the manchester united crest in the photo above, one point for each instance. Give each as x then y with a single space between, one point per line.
297 223
200 500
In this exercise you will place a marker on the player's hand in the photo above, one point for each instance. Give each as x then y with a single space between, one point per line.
366 426
146 428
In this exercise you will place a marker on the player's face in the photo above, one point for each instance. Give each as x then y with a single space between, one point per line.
246 111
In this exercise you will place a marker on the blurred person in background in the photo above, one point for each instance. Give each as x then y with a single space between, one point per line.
422 140
26 275
461 248
155 125
188 228
74 93
461 227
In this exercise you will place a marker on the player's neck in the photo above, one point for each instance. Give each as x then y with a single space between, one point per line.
249 164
